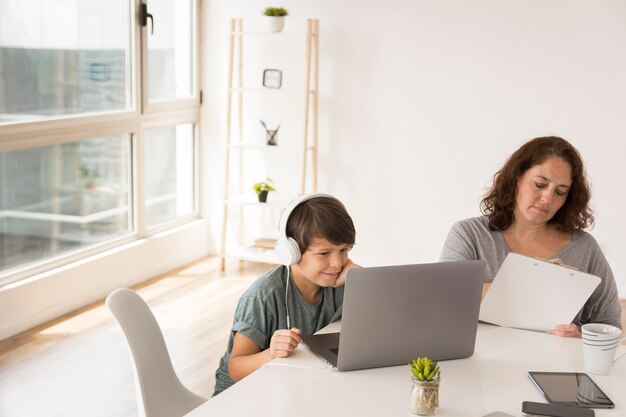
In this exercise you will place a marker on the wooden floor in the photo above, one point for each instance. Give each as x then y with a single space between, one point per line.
79 366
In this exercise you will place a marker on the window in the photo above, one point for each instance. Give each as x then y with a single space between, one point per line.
170 51
89 158
168 173
59 198
63 57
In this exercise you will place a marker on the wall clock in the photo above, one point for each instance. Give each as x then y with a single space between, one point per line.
272 78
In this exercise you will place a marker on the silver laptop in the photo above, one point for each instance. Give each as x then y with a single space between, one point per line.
394 314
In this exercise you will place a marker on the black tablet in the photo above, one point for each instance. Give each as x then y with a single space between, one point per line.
570 388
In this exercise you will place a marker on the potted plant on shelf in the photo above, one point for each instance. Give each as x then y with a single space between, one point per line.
275 18
425 389
262 188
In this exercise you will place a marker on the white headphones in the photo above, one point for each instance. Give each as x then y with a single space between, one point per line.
286 248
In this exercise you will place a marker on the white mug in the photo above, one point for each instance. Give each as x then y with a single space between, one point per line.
600 341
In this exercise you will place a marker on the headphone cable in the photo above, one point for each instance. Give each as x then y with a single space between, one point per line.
286 296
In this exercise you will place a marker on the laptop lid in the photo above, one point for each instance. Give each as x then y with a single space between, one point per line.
393 314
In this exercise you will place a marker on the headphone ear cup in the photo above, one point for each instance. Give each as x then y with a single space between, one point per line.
287 251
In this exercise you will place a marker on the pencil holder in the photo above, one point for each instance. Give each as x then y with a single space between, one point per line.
272 136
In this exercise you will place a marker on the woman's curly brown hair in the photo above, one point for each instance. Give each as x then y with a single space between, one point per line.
499 202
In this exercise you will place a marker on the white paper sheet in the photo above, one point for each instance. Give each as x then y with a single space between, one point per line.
533 294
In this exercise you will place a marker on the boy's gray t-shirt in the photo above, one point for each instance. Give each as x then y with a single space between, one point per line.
261 311
471 239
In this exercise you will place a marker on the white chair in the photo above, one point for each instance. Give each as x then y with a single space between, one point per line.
159 391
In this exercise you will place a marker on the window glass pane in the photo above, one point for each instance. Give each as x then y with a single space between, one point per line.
170 56
169 168
59 198
61 57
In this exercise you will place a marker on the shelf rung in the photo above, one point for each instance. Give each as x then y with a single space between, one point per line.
264 147
268 90
272 34
252 200
251 253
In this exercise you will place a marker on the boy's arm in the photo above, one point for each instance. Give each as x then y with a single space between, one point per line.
246 356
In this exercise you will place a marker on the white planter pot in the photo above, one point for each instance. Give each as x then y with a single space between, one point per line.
275 23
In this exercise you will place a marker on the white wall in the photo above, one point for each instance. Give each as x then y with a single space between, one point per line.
421 102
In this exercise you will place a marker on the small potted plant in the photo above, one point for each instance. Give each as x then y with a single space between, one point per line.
275 18
262 188
425 376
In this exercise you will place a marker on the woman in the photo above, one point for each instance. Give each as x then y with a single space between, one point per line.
539 206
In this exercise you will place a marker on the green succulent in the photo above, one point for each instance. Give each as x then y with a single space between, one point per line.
424 369
275 11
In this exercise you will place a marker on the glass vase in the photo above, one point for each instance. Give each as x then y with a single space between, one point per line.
424 399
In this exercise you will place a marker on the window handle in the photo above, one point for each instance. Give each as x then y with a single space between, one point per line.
144 16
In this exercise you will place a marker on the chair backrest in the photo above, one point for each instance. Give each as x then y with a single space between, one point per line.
159 391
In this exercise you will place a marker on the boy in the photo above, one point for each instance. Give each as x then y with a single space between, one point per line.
297 298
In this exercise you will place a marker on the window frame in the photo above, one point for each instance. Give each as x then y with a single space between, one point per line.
174 104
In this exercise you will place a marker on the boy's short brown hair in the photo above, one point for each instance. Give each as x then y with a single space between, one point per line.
320 217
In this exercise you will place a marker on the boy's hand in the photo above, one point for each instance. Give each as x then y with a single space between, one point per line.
284 342
341 279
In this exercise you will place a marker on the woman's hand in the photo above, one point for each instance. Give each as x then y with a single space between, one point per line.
566 330
341 279
558 261
486 287
284 342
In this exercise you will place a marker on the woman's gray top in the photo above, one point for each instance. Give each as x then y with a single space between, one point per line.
472 239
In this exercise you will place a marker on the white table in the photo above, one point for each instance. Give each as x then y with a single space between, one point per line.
493 379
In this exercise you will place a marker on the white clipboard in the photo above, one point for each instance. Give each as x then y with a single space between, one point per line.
533 294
